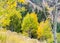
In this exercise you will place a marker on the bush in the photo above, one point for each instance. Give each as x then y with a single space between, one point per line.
44 30
30 24
11 20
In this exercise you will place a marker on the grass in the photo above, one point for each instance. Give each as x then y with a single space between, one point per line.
7 36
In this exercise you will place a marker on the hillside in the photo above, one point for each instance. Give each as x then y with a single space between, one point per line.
7 36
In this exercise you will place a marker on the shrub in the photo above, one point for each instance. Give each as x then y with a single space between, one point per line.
44 30
30 24
11 20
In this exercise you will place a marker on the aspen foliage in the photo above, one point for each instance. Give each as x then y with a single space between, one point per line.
21 1
44 30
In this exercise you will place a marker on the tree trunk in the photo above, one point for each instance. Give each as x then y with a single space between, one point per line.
55 23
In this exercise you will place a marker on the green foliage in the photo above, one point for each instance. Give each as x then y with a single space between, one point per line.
11 19
16 15
58 27
41 14
50 40
58 37
15 23
30 24
10 16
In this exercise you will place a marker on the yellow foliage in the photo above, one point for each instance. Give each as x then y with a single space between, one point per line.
40 29
5 20
34 16
12 5
21 1
44 29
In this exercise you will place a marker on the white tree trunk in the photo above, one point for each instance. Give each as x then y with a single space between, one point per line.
55 23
